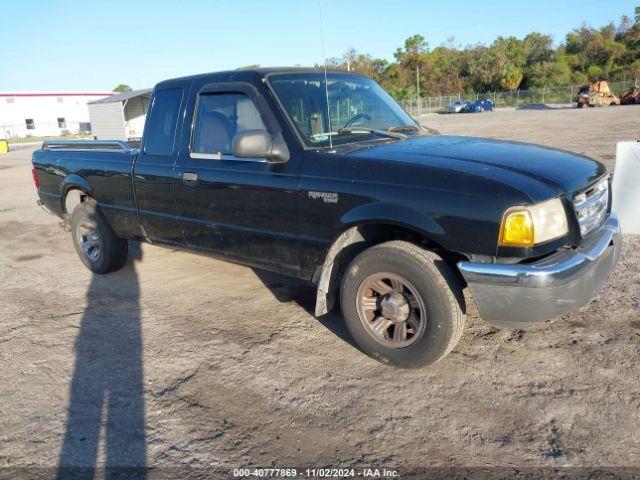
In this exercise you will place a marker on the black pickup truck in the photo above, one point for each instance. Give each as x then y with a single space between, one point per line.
324 177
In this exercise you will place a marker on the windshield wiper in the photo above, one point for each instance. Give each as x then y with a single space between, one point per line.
357 131
372 131
404 128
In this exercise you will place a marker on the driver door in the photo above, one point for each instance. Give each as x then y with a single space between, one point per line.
242 208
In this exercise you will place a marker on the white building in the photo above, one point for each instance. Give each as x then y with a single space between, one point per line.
45 113
119 117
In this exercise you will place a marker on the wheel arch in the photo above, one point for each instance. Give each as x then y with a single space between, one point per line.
73 190
393 214
364 233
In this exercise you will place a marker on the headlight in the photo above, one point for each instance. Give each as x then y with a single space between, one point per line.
534 224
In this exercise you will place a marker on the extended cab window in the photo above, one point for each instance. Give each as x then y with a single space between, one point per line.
163 117
219 117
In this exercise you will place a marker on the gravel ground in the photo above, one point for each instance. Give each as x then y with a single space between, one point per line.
180 360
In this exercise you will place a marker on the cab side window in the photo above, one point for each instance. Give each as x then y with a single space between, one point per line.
163 117
219 117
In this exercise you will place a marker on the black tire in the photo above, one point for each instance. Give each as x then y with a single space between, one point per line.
89 227
436 285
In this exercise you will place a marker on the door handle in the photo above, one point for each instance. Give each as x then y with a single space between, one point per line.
189 177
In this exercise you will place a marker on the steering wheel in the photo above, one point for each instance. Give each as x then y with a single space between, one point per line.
356 117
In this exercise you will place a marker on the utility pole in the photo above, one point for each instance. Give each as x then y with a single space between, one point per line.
418 88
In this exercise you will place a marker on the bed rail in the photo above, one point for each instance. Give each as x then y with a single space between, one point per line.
87 145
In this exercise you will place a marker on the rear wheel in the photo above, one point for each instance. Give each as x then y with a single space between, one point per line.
402 304
97 246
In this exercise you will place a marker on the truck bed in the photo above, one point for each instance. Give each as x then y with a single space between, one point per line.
101 168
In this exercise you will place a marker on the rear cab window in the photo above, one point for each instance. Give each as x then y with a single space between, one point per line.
163 118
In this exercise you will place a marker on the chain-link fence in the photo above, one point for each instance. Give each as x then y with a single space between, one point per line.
513 99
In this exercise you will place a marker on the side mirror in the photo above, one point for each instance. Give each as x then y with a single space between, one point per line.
260 143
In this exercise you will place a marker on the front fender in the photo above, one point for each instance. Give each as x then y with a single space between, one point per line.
353 221
396 215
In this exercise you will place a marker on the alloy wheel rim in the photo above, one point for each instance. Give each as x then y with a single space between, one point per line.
391 310
89 241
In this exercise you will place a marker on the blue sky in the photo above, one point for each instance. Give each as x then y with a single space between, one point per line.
64 45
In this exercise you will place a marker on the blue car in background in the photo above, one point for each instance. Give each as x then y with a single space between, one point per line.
482 105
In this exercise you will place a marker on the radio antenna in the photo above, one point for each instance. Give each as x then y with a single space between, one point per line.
326 85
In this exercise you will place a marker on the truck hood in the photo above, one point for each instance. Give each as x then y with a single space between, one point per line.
559 170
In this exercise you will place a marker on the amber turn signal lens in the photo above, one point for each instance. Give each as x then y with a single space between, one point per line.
517 229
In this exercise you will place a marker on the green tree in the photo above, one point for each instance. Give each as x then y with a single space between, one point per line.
609 52
538 47
509 51
483 68
414 47
445 64
413 57
122 88
594 72
579 78
511 78
549 74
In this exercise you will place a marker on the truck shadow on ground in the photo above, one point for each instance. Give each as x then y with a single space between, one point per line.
288 289
106 394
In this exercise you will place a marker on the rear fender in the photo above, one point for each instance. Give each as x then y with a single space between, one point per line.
72 190
72 181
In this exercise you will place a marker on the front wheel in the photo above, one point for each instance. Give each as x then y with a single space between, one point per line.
98 247
402 304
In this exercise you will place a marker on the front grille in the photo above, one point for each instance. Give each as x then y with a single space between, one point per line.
591 206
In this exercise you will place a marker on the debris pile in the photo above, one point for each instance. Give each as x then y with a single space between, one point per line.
632 96
596 94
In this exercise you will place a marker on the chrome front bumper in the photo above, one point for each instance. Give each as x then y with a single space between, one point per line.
517 296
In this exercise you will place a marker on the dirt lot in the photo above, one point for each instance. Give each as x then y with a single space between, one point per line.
189 361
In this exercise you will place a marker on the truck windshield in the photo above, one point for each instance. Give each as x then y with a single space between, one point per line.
359 108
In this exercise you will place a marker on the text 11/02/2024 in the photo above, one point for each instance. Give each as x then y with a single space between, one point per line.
315 473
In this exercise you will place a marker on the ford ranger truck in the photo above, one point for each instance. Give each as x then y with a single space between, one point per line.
327 179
